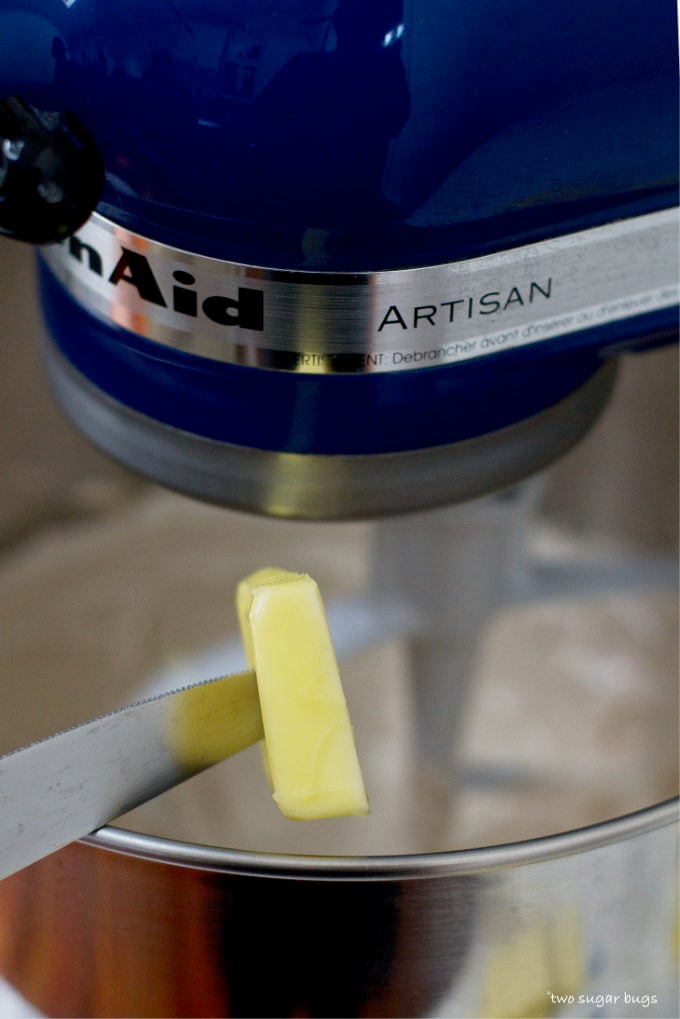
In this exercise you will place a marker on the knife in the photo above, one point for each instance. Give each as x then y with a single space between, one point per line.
61 788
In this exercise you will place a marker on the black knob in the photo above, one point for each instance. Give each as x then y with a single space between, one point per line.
51 173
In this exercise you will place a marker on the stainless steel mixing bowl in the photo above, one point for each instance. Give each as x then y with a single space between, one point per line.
123 924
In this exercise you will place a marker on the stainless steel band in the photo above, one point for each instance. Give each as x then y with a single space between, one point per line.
324 486
398 320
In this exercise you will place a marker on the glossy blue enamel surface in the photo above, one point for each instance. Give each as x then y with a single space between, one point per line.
341 135
411 132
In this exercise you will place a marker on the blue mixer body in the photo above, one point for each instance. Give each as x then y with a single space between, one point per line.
344 137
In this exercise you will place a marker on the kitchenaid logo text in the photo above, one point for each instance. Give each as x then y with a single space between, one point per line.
341 323
457 313
134 269
460 308
246 310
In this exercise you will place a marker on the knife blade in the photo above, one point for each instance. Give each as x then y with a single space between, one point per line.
61 788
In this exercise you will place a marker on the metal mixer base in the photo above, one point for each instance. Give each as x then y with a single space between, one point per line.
318 487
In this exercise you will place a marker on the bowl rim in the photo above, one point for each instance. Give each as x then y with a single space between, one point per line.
385 867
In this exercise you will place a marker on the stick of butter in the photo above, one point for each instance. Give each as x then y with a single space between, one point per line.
309 741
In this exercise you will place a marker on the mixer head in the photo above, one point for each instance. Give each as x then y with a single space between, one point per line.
348 259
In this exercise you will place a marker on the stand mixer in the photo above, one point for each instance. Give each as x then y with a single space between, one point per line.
343 261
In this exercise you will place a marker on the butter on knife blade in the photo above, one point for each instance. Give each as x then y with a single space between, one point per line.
67 785
309 740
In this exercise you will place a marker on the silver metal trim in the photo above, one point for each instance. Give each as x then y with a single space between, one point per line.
324 487
397 320
387 868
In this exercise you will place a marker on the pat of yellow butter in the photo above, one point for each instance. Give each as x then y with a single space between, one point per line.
309 741
527 971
